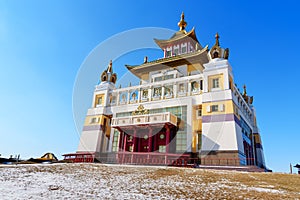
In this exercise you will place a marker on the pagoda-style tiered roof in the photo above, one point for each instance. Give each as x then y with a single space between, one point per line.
195 54
169 62
177 37
181 35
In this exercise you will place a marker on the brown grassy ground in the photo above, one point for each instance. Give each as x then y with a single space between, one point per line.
89 181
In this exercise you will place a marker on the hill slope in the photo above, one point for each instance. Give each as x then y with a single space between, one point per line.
88 181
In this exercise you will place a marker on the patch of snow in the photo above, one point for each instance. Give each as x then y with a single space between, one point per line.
258 189
104 181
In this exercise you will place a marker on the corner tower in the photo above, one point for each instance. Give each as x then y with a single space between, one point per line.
96 130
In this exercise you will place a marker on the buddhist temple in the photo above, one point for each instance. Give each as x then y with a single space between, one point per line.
187 109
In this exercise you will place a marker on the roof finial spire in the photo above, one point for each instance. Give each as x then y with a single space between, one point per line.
109 68
245 91
217 39
182 24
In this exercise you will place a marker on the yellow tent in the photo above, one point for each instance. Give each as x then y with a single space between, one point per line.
49 156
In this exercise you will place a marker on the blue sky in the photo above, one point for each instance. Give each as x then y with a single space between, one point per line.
43 44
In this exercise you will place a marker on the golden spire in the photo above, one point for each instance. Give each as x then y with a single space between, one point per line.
245 91
217 39
182 24
109 68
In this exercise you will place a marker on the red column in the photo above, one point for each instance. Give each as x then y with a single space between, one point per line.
167 138
124 141
139 144
120 140
134 141
124 146
150 140
155 140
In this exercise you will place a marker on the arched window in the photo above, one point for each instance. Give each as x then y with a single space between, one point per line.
216 54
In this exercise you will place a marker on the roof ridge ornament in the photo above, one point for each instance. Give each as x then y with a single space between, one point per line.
245 90
108 75
217 39
109 68
218 52
182 24
248 99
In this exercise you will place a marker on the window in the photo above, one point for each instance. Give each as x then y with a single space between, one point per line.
183 49
168 54
199 134
181 88
145 94
168 76
162 149
169 91
157 92
201 84
134 96
191 48
199 113
195 86
115 141
181 142
100 100
93 120
156 79
214 108
236 111
215 83
176 51
123 97
216 54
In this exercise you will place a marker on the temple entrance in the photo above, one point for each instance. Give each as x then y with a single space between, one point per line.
148 139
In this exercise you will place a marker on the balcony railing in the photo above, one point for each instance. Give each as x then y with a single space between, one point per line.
158 118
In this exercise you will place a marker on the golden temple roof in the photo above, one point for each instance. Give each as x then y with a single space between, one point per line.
169 62
179 35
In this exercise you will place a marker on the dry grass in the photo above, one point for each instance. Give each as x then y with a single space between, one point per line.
86 181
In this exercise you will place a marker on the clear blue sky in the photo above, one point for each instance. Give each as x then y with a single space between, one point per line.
43 44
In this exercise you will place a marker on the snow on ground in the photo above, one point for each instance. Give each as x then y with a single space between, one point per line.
98 181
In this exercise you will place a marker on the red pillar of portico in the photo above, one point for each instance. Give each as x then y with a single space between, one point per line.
134 148
167 138
124 141
124 146
120 140
139 144
155 139
150 140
